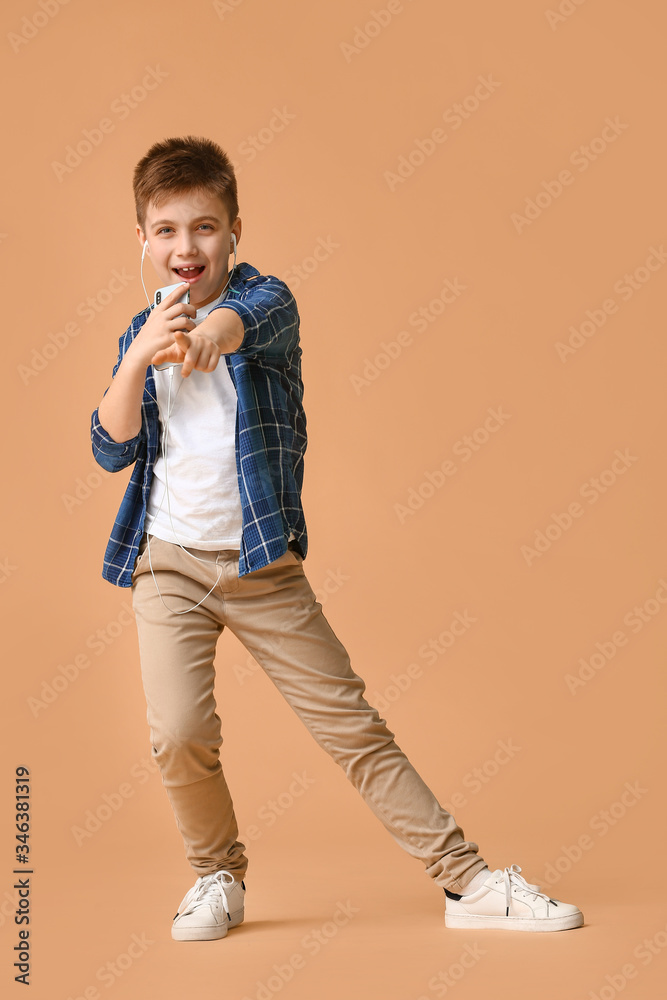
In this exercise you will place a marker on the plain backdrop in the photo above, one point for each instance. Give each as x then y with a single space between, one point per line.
467 201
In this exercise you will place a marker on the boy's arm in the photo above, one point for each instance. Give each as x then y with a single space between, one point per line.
116 424
265 323
225 329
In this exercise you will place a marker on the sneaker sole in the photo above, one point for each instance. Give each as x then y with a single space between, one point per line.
207 933
482 922
199 933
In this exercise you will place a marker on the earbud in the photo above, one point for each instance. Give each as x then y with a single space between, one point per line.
143 253
233 250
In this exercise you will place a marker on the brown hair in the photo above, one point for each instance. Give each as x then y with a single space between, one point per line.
177 165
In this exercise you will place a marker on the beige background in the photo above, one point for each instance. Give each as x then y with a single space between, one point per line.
321 178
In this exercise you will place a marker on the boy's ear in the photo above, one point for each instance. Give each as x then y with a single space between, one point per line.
142 239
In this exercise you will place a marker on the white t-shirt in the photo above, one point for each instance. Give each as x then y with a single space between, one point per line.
202 508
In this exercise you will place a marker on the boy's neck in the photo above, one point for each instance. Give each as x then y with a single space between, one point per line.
216 295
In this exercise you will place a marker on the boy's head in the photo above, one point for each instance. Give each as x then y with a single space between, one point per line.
187 208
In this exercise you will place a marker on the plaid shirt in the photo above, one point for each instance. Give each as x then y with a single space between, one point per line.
270 431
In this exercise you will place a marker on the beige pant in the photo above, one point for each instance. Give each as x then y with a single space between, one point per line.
274 614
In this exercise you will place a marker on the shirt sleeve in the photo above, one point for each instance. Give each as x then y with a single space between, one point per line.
270 318
114 455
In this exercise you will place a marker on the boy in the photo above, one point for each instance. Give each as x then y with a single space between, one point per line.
228 550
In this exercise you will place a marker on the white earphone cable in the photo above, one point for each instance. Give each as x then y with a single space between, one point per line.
164 455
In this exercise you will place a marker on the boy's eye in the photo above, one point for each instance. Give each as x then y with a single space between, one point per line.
164 229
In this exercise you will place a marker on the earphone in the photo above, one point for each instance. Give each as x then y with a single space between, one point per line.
164 450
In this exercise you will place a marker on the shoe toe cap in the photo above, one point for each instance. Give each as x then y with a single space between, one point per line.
566 908
203 916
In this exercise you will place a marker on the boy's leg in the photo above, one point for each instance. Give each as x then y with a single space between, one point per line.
177 654
275 615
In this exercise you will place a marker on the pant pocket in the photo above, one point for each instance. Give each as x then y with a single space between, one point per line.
295 552
141 554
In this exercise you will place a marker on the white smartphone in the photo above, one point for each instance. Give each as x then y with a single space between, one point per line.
161 294
166 290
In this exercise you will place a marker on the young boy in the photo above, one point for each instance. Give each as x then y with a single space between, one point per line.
206 401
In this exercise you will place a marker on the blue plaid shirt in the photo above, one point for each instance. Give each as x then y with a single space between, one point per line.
270 431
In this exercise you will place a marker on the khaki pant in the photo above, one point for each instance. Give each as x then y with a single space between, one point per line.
274 614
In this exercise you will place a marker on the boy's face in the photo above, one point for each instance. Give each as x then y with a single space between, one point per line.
191 229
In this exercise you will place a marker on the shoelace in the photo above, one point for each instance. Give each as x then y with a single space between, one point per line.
511 877
208 889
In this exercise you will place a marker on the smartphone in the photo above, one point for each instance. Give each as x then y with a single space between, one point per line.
161 294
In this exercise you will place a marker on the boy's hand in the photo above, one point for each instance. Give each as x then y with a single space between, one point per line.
195 350
157 341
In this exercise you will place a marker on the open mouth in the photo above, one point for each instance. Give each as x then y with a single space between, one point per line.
189 273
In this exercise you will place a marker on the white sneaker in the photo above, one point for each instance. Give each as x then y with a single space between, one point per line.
507 902
213 905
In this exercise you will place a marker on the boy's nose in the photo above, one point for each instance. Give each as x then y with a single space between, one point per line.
186 248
